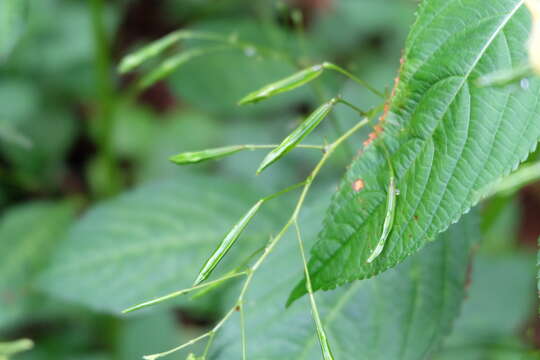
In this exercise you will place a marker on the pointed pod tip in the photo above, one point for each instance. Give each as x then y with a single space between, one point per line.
199 280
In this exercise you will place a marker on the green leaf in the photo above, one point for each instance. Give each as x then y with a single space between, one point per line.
448 138
419 300
151 241
28 233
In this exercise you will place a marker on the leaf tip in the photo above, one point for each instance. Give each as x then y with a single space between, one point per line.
297 293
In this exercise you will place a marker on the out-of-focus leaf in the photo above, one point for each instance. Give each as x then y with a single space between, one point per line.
28 234
11 135
419 299
13 15
499 303
501 220
386 22
446 147
50 134
150 242
138 339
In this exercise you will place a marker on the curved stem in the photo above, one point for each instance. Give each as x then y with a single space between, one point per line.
323 339
243 331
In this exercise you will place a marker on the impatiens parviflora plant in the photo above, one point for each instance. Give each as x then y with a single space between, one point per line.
441 115
292 141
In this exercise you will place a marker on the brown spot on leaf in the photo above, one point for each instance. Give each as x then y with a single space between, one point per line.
358 185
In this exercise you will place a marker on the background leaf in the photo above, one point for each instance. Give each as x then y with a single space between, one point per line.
28 233
420 299
150 241
488 329
12 24
448 138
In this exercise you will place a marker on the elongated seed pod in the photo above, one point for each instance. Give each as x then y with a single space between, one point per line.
306 127
187 158
157 47
388 223
289 83
173 63
226 244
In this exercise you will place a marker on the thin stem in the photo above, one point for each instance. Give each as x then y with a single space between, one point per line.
333 119
208 345
323 339
182 292
271 146
354 107
243 331
178 348
210 333
354 78
233 271
105 92
281 192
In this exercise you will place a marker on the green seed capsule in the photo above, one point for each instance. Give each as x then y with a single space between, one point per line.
171 64
187 158
157 47
391 198
292 82
226 244
290 142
